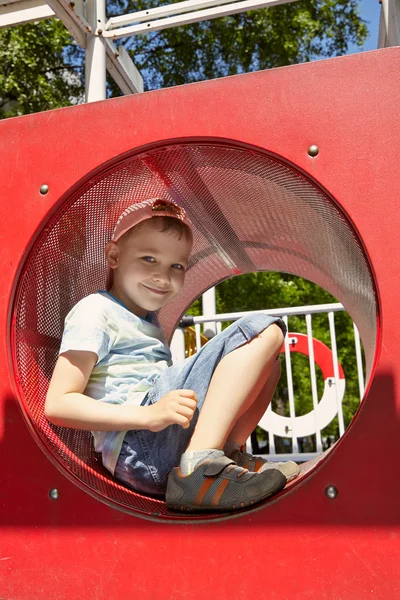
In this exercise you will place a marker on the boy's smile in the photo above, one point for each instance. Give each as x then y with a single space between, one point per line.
160 292
148 267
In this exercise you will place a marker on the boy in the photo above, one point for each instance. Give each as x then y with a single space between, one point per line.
160 428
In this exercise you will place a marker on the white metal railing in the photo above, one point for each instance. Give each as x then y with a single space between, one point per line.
325 409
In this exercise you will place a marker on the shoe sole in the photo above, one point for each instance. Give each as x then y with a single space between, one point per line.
183 507
288 477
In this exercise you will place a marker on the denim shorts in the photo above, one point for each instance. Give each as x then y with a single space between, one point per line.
147 457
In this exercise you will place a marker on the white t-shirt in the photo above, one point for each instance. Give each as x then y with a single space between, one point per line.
132 354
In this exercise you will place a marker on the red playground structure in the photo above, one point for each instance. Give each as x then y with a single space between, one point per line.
294 169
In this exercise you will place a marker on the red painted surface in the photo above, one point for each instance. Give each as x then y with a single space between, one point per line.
322 354
301 545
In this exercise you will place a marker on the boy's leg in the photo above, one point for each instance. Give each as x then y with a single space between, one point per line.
235 385
248 421
245 425
247 417
207 479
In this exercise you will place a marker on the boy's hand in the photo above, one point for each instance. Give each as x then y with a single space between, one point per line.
177 406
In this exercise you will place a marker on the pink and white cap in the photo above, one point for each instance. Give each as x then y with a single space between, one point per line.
141 211
136 213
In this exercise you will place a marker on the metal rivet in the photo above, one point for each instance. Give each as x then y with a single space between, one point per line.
44 189
313 150
331 492
53 493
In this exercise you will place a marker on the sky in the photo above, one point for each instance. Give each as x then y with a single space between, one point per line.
370 11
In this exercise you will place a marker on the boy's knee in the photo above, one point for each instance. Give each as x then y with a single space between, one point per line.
274 335
256 323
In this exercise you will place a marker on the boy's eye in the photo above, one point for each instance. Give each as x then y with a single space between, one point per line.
151 259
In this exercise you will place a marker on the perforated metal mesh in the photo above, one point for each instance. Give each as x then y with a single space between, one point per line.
250 212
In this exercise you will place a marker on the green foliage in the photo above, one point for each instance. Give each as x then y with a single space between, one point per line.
259 39
35 71
41 68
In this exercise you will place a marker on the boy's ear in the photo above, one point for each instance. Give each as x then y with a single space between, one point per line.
112 254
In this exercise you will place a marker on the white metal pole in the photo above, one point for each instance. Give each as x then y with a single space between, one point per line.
360 369
390 22
314 390
273 312
198 336
95 58
289 376
177 345
191 17
209 309
332 330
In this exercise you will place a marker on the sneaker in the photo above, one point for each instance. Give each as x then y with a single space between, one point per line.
290 469
220 485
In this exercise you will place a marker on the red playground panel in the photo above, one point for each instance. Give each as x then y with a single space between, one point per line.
235 153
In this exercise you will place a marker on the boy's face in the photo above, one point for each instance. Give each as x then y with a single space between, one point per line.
148 267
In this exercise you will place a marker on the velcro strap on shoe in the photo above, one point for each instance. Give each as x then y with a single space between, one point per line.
217 465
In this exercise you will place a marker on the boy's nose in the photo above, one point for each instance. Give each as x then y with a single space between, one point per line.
161 276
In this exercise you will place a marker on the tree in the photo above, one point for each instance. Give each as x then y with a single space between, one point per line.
41 68
36 72
259 39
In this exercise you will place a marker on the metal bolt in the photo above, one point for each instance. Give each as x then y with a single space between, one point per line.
44 189
313 150
331 492
53 493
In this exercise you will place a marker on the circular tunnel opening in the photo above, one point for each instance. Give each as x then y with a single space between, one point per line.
251 212
304 419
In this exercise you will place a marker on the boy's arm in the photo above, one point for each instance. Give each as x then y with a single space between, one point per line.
66 404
